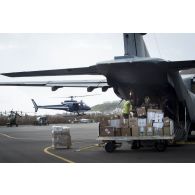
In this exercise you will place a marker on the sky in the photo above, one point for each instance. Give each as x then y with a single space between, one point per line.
25 52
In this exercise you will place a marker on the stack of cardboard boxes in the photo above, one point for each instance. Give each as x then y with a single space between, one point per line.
168 128
133 126
111 128
147 123
142 121
155 121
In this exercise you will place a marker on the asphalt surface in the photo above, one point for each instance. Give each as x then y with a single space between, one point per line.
32 144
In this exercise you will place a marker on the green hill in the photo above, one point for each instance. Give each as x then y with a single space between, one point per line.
107 106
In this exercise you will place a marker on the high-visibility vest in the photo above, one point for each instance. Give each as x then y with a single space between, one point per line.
127 107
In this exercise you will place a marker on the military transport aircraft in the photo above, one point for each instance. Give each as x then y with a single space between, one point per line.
135 72
68 105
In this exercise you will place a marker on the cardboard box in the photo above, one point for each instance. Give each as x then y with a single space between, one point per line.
171 127
166 131
118 132
104 122
158 117
134 130
150 116
107 131
125 122
166 121
158 125
154 115
126 131
110 131
142 131
115 123
133 122
141 111
158 131
141 122
149 131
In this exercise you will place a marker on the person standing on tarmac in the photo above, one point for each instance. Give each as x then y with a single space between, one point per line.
126 109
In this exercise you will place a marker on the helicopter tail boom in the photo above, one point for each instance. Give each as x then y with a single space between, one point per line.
35 105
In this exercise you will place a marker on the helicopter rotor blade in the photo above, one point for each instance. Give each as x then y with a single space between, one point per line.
77 96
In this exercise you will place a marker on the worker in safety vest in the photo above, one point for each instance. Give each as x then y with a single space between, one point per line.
127 108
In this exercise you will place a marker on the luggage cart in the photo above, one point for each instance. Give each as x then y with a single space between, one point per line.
159 142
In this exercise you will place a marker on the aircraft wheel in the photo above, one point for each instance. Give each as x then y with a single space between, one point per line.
110 147
161 146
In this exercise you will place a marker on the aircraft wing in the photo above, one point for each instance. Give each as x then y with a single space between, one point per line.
188 71
59 84
104 68
179 65
91 70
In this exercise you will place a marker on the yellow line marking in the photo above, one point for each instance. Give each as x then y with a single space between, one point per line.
46 150
5 135
87 147
8 136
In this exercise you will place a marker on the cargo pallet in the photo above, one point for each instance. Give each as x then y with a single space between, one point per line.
159 142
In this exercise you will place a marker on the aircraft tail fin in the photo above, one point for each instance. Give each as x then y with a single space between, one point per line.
35 105
134 45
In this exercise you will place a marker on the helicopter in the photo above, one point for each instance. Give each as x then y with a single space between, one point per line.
12 118
73 106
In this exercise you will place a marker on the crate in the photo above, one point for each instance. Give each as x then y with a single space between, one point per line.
61 138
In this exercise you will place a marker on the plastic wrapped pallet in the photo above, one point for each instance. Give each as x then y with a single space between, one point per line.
61 137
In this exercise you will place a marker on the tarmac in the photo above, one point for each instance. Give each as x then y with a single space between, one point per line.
32 144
